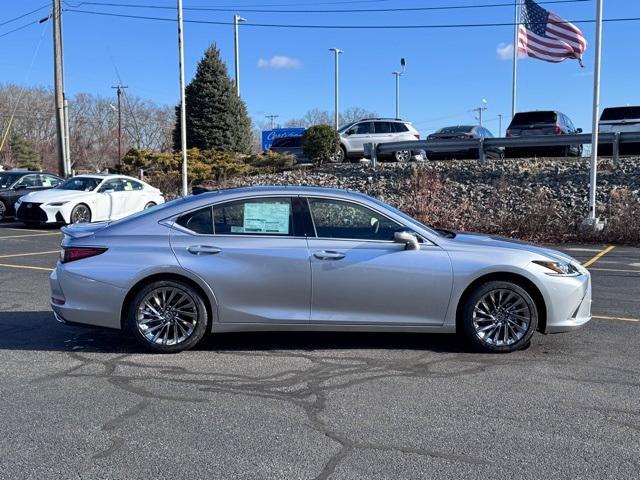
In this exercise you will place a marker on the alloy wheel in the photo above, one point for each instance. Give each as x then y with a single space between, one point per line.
403 155
81 214
3 211
167 316
501 317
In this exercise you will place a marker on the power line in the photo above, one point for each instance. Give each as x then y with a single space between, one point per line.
17 29
24 15
342 27
356 10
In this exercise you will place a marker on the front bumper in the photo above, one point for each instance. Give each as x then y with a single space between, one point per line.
570 304
39 213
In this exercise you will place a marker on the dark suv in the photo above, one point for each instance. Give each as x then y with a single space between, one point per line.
540 123
16 183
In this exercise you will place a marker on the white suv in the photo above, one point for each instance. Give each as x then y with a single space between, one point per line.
620 120
354 135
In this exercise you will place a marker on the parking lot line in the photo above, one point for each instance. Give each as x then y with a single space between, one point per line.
23 230
614 270
29 254
28 267
620 319
32 235
598 256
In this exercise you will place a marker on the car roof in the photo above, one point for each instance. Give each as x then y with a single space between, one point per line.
105 176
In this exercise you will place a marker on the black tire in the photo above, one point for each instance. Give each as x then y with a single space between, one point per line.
341 155
76 212
199 309
3 210
469 325
150 204
402 156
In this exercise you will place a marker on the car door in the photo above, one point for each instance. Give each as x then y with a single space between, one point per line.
382 132
253 256
111 200
28 183
361 276
134 198
358 135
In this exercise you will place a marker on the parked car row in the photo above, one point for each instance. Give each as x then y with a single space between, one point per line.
354 135
36 198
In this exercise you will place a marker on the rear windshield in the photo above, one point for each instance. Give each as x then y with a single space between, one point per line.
456 129
531 118
287 142
620 113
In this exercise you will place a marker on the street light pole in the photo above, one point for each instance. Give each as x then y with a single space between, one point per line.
336 119
58 75
236 20
183 106
398 74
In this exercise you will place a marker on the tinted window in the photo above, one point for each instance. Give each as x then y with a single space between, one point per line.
116 185
8 179
621 113
360 128
399 127
529 118
30 181
199 221
86 184
259 216
339 219
456 129
383 127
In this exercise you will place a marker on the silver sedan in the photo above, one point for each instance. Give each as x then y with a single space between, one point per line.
308 259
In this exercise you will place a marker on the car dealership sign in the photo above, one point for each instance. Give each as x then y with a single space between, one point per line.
268 136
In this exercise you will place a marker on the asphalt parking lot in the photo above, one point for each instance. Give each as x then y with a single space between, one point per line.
85 403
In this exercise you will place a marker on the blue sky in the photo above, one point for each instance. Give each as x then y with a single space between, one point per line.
449 71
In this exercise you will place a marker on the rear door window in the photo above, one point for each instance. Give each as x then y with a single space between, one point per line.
383 127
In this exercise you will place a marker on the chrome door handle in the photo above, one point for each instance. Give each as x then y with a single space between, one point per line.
203 250
329 255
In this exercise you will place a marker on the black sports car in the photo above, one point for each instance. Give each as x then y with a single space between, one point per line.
16 183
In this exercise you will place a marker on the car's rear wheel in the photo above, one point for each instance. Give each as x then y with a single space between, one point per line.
149 205
3 210
340 156
499 317
80 214
168 316
402 155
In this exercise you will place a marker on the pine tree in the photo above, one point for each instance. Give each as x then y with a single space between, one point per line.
216 118
23 154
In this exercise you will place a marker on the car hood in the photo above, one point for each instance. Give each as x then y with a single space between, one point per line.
483 240
54 195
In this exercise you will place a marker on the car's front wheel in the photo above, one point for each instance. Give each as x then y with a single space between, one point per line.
402 155
80 214
3 210
499 317
149 205
168 316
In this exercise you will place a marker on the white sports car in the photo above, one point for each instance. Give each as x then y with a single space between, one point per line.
88 198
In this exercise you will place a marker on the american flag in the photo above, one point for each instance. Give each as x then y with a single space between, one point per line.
546 36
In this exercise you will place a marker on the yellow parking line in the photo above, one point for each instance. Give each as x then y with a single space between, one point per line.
28 267
33 235
598 256
621 319
29 254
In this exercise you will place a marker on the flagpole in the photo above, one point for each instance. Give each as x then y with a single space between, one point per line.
516 22
596 113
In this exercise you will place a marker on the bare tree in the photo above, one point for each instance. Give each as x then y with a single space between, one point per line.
323 117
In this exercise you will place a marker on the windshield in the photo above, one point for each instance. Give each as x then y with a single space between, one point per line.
7 179
456 129
82 184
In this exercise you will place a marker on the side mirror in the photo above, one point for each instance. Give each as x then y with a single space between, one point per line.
22 186
408 238
578 130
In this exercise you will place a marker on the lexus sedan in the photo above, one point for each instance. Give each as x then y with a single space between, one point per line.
309 259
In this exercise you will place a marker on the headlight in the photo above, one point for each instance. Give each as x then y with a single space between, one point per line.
558 268
56 204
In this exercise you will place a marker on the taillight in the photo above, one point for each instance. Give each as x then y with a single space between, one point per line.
558 130
71 254
417 135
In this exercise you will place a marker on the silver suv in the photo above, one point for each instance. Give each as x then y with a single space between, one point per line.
620 120
354 135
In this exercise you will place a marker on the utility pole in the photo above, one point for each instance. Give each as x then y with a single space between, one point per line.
481 109
271 119
398 74
58 74
119 90
183 105
236 20
336 118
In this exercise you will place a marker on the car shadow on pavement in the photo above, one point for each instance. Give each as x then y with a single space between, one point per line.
39 331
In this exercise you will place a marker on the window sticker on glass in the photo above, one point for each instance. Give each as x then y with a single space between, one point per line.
266 217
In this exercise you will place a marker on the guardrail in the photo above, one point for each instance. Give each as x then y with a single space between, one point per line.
373 151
